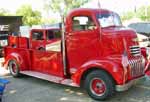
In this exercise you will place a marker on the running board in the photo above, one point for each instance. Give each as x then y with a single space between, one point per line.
51 78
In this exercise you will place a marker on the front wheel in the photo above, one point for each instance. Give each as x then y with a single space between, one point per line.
99 85
13 68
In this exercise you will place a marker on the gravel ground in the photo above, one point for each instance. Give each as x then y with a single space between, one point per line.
29 89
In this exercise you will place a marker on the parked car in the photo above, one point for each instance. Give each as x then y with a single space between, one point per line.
143 32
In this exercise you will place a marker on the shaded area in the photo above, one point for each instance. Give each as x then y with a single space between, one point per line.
29 89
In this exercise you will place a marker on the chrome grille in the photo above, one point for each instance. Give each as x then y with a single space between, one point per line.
135 50
136 67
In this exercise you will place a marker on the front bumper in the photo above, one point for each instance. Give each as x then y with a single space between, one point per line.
126 86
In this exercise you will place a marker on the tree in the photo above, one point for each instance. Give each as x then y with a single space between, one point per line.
143 13
30 17
127 16
4 12
49 20
57 5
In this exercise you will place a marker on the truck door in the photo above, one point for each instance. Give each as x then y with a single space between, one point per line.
48 60
52 35
82 41
37 39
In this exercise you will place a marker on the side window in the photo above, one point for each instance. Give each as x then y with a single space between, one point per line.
37 35
50 35
53 34
57 33
81 23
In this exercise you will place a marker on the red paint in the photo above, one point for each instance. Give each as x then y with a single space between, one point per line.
100 48
143 51
98 87
148 73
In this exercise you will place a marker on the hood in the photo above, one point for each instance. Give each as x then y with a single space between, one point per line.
119 31
119 39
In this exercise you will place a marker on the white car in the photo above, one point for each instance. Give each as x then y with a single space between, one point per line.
143 32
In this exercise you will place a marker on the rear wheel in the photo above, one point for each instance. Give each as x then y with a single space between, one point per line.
99 85
14 68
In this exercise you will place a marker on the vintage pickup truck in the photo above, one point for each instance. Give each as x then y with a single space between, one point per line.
95 52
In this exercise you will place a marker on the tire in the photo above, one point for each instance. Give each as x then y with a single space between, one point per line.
14 68
99 85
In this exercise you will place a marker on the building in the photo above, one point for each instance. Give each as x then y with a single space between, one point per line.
10 23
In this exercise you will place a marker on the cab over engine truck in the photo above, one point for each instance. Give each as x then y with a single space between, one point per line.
96 53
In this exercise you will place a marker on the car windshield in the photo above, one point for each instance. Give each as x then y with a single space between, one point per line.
109 19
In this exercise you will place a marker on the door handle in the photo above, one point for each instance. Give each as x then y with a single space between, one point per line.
70 34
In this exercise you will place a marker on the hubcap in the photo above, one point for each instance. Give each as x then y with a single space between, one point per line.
97 86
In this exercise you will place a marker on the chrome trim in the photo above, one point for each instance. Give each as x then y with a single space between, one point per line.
137 54
63 46
126 86
136 67
135 50
134 46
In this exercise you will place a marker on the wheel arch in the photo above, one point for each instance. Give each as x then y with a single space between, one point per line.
114 70
85 73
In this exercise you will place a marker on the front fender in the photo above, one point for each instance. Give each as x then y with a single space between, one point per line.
112 68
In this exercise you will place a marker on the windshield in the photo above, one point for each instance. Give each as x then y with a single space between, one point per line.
108 20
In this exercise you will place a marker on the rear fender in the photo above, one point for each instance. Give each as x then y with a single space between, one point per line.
13 56
113 69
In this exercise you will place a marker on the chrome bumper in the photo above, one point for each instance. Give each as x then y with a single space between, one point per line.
126 86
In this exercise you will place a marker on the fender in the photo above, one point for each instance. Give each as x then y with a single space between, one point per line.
112 68
14 56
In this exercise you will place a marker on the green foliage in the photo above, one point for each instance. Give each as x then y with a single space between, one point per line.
66 5
49 21
4 12
30 17
143 13
127 16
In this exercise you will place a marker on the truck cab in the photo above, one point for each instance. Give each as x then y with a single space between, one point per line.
95 52
38 38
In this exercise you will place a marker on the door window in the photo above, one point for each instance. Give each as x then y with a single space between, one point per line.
81 23
37 35
53 34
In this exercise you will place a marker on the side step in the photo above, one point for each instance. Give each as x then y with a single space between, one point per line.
51 78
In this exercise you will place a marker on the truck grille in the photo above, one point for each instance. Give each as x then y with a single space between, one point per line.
135 50
136 67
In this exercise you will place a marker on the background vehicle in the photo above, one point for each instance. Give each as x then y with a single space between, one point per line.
96 52
143 33
8 25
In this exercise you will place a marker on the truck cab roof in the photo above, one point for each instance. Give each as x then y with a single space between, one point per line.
79 11
45 29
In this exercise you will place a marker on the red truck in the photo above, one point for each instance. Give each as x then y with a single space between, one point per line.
96 53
